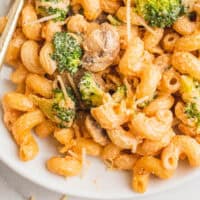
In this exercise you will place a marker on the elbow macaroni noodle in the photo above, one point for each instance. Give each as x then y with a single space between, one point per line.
123 139
21 128
145 128
181 144
143 168
152 128
31 31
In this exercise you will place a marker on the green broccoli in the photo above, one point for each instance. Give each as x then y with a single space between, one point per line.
160 13
67 52
59 109
190 89
190 92
193 112
63 109
51 7
120 93
90 91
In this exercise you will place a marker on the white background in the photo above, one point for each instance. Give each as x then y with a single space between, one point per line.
14 187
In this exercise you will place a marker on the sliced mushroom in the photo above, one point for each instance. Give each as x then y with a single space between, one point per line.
101 47
98 134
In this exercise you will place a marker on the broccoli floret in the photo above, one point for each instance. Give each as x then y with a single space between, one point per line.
120 93
67 52
53 11
51 7
63 109
58 109
190 89
90 91
160 13
190 93
193 112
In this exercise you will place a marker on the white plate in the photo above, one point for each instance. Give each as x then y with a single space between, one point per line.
97 182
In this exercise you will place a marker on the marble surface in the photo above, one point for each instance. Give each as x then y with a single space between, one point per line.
14 187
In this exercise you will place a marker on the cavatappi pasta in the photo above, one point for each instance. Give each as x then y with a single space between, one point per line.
105 78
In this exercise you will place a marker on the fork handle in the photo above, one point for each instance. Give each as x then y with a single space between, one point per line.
6 36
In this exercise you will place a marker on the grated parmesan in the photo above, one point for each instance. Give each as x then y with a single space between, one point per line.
71 153
83 162
146 26
62 85
43 19
140 101
128 17
72 84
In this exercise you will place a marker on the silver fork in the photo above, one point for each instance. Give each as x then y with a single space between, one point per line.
6 36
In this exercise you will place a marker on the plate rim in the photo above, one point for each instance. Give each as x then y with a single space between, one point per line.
20 172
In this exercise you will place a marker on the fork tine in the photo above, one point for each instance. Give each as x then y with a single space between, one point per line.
6 36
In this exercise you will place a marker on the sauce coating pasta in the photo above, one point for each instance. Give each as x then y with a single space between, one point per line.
108 79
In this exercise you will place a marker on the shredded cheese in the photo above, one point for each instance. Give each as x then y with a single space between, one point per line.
43 19
109 165
83 159
64 197
62 85
128 24
71 153
71 82
128 17
139 18
146 26
140 101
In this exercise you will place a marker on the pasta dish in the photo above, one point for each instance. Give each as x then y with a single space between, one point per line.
114 79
